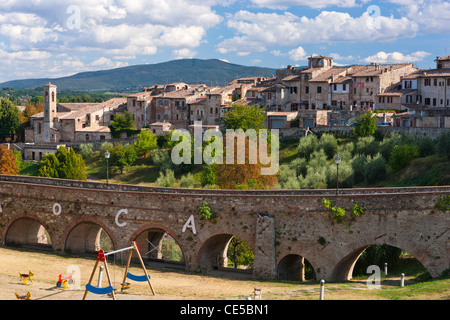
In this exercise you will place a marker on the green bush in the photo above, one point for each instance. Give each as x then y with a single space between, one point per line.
329 144
366 146
427 146
402 155
166 179
388 144
87 150
161 159
443 143
345 175
106 146
316 178
358 165
208 175
187 181
375 169
306 146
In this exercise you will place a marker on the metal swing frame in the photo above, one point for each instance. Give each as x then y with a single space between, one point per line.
101 256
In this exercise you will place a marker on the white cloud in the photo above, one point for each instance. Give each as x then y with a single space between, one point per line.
316 4
106 63
184 53
298 54
260 30
397 57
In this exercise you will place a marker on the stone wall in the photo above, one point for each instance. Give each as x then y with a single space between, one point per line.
274 224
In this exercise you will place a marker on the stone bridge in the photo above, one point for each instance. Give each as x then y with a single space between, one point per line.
282 228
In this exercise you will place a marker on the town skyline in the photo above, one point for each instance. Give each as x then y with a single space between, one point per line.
55 39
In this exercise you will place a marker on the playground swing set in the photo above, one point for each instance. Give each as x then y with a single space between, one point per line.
101 256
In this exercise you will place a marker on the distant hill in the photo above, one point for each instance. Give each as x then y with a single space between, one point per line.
211 72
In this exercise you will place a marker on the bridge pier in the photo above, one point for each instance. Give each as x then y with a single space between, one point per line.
264 266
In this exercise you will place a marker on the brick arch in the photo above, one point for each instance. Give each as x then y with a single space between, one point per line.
211 250
164 228
295 257
35 218
71 226
343 268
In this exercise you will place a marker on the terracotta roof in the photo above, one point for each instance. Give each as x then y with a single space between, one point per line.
397 93
98 129
430 73
115 102
376 70
326 75
443 58
293 77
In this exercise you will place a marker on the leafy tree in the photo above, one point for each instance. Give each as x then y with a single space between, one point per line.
329 144
161 159
9 119
8 161
145 142
240 253
366 146
402 155
123 156
365 124
306 146
64 165
106 146
87 150
208 175
49 166
122 123
375 169
242 116
230 175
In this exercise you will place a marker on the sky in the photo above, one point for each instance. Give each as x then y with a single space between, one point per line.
54 38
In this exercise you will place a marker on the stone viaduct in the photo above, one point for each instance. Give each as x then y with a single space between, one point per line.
281 227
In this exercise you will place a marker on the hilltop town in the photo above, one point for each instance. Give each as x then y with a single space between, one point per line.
320 95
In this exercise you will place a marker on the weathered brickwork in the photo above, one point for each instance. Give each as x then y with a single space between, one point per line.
277 225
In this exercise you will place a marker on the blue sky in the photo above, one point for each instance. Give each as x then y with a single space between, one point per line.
51 38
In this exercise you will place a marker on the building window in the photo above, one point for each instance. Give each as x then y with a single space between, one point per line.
427 101
319 89
307 89
427 82
434 101
344 87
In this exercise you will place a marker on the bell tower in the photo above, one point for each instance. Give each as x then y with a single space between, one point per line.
49 110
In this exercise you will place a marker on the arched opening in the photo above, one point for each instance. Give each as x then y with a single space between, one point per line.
88 238
294 267
392 262
355 264
29 233
226 253
159 248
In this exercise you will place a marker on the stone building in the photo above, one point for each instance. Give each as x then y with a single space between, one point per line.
72 122
172 106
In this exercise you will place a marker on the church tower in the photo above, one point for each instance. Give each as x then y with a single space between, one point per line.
49 110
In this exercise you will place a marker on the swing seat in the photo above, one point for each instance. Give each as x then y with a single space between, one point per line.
97 290
137 278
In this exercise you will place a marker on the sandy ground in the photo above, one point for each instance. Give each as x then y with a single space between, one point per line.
168 284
